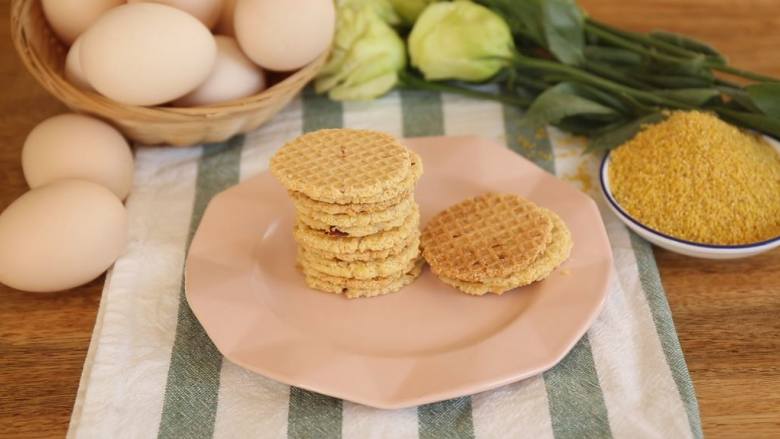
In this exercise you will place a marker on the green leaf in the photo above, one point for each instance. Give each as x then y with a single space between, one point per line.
612 55
594 94
637 107
671 81
688 43
694 67
766 96
692 96
557 25
526 81
622 133
613 73
740 98
758 122
564 30
557 103
587 126
524 17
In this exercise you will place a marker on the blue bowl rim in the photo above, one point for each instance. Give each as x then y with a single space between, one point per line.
614 203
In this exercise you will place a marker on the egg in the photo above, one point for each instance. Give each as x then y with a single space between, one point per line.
73 72
147 54
234 76
60 236
70 18
225 22
284 35
76 146
207 11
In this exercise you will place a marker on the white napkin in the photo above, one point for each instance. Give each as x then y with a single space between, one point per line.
151 371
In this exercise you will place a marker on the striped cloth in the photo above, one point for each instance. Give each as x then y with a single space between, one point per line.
152 371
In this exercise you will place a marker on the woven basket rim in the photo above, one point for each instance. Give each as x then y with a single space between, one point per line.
92 102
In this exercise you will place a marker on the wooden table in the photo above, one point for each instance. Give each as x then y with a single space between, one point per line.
727 313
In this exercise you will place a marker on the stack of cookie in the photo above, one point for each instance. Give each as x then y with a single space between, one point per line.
357 224
494 243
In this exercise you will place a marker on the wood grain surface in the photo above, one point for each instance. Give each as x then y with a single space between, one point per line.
727 313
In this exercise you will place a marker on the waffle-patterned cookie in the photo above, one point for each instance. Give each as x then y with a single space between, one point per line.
359 230
554 255
354 288
340 165
368 256
304 203
392 266
489 236
339 243
346 220
356 205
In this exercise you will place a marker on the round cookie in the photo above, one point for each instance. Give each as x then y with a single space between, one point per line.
368 256
354 288
303 202
341 165
386 198
338 243
359 230
489 236
345 220
389 267
554 255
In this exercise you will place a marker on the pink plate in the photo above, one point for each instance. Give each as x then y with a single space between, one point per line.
427 342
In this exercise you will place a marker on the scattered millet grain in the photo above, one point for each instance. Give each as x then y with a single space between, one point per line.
582 176
698 178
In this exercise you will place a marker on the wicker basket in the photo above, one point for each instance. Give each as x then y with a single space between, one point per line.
44 56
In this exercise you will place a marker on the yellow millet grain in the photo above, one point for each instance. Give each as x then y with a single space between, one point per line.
582 176
698 178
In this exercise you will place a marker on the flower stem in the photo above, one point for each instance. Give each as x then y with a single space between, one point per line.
643 39
633 41
614 75
630 45
743 73
413 82
583 76
725 83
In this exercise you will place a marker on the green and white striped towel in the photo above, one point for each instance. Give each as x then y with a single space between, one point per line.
152 371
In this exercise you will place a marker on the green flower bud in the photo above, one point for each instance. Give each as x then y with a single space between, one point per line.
409 10
460 40
366 57
383 8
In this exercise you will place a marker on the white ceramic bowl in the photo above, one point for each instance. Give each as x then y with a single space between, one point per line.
678 245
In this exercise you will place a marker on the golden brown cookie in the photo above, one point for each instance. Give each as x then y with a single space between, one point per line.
302 202
489 236
392 266
554 255
342 165
353 205
357 219
336 242
368 256
353 288
360 230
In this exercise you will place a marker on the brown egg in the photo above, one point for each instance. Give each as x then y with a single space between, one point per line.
284 35
207 11
76 146
70 18
147 54
73 71
60 236
234 76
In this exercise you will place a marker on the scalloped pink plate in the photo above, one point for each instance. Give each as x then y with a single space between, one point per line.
427 342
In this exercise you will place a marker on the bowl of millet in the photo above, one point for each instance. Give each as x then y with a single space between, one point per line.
696 185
